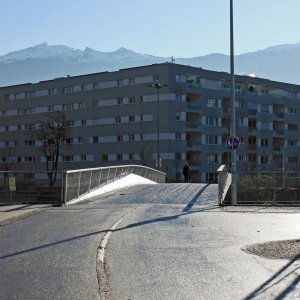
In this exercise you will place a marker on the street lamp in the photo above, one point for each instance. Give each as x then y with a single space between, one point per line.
233 126
158 86
283 165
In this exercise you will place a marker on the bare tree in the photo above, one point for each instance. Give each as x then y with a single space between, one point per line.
7 160
51 134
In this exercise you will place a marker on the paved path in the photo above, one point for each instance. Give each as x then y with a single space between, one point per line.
172 242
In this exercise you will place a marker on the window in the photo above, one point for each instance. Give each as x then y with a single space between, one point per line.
130 156
95 139
119 156
177 136
131 81
252 123
20 96
212 103
29 159
29 143
105 157
80 140
291 110
30 94
292 127
81 105
264 108
29 111
212 158
178 97
131 119
88 87
83 157
69 123
119 82
68 141
292 143
120 101
265 126
178 78
211 140
211 177
252 105
242 122
252 157
68 90
118 119
291 94
131 100
120 138
292 159
52 92
131 137
83 122
68 158
211 121
155 77
252 140
264 142
68 106
177 116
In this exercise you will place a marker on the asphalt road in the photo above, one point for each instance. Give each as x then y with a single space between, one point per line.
172 242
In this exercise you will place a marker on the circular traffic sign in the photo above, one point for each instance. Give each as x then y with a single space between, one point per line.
233 143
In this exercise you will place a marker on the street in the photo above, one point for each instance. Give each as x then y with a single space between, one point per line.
172 241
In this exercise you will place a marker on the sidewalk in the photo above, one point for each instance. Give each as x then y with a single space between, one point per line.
12 213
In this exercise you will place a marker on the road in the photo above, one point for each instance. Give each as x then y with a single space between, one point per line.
171 242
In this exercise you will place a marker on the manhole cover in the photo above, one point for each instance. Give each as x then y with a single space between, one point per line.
287 249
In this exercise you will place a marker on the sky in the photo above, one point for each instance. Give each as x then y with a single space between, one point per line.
165 28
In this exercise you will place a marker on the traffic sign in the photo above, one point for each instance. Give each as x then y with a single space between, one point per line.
233 143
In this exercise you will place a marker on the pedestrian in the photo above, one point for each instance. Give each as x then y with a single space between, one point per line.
186 172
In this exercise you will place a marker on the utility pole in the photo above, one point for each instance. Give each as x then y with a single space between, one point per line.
158 86
233 123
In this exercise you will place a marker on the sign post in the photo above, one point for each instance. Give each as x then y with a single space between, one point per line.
233 143
11 186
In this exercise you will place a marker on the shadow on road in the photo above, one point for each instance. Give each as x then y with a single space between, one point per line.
195 198
276 279
142 223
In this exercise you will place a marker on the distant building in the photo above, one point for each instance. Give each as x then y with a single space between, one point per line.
113 120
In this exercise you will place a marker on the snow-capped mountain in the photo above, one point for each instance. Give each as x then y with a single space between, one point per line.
43 62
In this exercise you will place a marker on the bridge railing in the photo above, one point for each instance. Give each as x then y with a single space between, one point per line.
76 183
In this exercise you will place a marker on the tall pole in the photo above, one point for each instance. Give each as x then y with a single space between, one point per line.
233 123
158 153
158 86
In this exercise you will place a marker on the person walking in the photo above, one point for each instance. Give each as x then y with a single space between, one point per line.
186 172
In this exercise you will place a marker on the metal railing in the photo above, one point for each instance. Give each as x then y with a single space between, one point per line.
77 183
29 187
269 188
264 188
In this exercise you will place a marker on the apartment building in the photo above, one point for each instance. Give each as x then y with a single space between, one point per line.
117 118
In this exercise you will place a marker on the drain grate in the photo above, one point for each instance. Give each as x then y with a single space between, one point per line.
287 249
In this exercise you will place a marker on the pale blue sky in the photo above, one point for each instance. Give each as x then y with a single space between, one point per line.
158 27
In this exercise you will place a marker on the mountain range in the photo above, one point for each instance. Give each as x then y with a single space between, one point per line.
43 62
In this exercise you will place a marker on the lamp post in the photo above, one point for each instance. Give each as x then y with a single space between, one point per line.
283 165
158 86
233 126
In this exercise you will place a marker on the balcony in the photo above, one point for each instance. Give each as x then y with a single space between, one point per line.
193 106
279 115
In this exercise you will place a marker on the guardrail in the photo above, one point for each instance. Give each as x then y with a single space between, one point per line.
77 183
